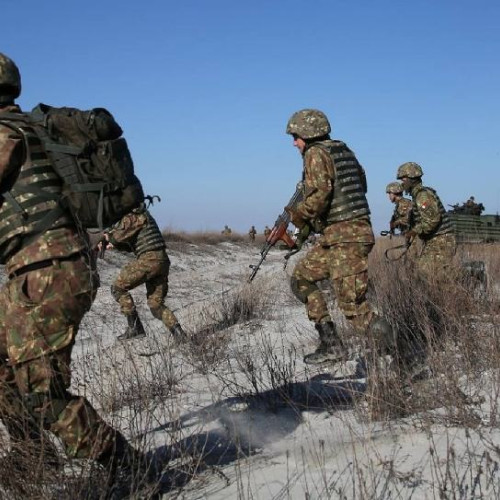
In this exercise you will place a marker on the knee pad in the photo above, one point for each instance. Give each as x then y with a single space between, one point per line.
302 288
117 292
46 407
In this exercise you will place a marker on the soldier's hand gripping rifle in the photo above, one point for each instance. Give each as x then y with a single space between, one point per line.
279 233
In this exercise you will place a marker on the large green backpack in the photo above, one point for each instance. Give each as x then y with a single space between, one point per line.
90 155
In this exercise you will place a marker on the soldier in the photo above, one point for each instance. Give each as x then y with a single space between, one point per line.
51 285
138 232
334 206
251 233
469 206
430 222
226 231
267 231
401 216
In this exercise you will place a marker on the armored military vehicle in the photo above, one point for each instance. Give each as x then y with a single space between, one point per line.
475 228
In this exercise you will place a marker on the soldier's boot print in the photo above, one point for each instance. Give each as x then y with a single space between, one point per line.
135 328
129 472
330 349
179 335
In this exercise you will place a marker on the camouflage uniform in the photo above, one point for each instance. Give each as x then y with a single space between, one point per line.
401 216
267 231
51 285
251 233
342 249
138 232
432 225
334 205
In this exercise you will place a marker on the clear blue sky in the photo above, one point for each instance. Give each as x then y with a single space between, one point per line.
204 89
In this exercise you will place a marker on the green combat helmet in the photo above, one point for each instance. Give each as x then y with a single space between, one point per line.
308 124
10 80
410 169
394 188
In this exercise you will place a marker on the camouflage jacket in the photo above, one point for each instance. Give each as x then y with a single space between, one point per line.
318 176
401 216
137 232
429 217
53 243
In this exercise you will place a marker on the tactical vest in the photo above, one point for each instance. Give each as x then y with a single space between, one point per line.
31 205
349 184
445 225
149 238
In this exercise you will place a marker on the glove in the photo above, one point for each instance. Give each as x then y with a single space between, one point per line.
295 217
409 236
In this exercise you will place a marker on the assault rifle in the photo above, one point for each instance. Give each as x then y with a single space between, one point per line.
279 233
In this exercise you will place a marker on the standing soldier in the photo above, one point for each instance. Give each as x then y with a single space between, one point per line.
251 233
267 231
334 206
401 216
137 232
429 222
51 285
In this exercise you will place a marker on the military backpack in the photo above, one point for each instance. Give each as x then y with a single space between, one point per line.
92 158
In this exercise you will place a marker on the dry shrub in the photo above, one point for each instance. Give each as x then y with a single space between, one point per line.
202 237
440 323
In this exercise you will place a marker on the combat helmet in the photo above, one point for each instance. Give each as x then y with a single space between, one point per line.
10 79
410 169
394 188
308 124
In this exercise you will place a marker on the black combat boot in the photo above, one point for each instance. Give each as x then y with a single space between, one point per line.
330 349
179 335
381 337
135 328
128 472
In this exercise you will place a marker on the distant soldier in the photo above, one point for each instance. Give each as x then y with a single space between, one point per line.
138 232
401 216
429 221
267 231
470 205
226 231
251 233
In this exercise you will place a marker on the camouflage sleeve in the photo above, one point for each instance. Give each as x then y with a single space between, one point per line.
127 228
428 208
318 174
402 214
11 152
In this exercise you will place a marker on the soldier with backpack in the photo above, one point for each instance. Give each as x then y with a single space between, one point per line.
138 232
51 285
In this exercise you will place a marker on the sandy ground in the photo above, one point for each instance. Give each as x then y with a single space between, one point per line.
289 431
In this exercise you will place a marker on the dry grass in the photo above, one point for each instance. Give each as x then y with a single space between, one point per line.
447 325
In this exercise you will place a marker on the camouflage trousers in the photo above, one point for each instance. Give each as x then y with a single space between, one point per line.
150 268
40 312
435 261
346 266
